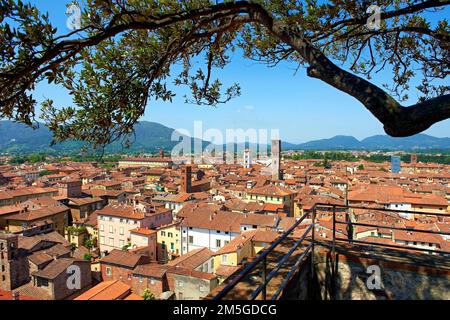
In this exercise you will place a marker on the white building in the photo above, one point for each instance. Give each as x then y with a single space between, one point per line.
204 228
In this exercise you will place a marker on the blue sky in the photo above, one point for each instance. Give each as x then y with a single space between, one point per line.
301 108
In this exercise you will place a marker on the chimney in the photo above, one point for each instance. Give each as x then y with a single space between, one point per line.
161 153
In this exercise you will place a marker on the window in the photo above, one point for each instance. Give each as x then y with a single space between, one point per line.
170 235
121 232
179 283
191 239
102 240
226 242
111 229
108 271
163 233
42 282
121 243
218 243
111 241
172 246
202 288
224 258
218 231
102 227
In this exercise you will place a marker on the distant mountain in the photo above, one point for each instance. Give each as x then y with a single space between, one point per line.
419 142
151 137
337 142
18 138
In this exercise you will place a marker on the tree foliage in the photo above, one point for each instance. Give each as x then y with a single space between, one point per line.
148 295
125 54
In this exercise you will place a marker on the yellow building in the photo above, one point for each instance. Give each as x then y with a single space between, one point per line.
146 162
245 246
153 175
76 235
274 195
169 243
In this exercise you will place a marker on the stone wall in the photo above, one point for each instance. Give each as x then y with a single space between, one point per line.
399 280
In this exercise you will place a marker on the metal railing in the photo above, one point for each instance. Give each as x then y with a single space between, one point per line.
350 224
261 289
262 258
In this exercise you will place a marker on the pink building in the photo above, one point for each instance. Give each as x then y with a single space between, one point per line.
115 223
144 241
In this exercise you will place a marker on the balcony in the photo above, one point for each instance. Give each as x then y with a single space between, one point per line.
306 263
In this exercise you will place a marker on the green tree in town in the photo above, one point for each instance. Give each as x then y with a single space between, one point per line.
148 295
72 247
120 57
87 257
88 243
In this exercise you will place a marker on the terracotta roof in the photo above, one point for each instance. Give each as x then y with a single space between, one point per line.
192 259
107 290
226 271
39 258
191 273
122 211
271 190
56 267
122 258
150 270
238 242
145 159
273 207
28 243
225 220
143 231
134 297
31 215
83 201
8 295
